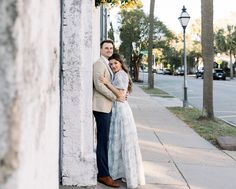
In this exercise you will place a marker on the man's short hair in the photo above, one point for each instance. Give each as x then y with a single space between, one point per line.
106 41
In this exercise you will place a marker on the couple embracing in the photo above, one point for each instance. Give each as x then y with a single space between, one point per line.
118 152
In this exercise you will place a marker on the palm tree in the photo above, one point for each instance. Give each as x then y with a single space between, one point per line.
208 57
231 45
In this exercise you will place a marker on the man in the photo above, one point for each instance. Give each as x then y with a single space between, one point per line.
102 105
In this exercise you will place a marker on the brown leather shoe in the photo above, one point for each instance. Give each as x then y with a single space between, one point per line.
108 181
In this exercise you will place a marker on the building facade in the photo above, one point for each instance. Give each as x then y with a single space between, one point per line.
47 48
30 98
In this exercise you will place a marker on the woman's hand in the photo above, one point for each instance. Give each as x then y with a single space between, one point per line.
103 80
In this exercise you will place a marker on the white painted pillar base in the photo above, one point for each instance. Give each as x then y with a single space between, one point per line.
78 149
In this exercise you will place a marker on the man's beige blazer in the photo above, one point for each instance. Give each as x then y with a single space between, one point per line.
102 96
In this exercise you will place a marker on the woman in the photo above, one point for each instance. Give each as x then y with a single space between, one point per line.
124 157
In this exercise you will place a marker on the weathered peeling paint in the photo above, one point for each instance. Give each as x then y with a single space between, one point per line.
79 159
8 95
29 95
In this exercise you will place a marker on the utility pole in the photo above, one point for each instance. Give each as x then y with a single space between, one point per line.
150 45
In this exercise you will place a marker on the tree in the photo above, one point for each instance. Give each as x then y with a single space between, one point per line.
208 57
150 45
171 57
195 47
130 34
111 32
165 41
226 43
123 4
134 34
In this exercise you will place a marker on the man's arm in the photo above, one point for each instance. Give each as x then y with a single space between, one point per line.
99 69
120 93
121 96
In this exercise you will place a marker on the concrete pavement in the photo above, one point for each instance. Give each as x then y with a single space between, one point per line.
174 156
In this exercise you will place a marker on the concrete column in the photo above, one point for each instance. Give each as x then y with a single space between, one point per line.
29 95
78 149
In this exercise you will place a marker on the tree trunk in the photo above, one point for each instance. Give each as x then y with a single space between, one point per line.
208 57
231 64
150 46
136 68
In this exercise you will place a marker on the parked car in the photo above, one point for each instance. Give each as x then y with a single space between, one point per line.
160 71
179 71
217 73
167 72
199 73
154 70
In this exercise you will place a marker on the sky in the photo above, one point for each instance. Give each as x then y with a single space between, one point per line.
168 11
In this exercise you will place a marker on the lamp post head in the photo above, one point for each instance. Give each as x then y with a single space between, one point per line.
184 18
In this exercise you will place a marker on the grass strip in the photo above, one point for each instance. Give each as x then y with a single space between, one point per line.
156 92
206 128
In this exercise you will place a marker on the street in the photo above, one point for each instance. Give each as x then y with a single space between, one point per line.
223 92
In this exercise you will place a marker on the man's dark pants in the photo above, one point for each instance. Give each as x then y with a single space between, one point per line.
103 121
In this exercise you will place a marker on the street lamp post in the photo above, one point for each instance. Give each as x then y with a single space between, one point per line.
184 19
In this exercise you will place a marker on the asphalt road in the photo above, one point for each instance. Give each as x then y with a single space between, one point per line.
224 93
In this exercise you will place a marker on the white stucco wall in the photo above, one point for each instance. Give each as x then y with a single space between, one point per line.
80 47
29 95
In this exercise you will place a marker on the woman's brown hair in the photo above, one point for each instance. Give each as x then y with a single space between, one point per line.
117 57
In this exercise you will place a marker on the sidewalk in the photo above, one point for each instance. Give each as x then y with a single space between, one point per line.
174 156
